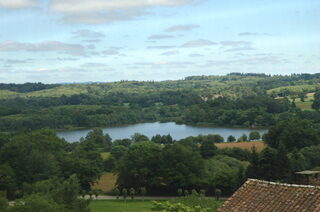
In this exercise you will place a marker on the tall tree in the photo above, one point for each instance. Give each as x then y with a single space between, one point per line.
208 149
316 100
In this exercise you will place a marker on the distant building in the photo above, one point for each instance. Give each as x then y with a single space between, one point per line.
308 178
264 196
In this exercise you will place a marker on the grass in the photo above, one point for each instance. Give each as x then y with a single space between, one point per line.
67 90
294 88
105 155
306 105
120 206
260 145
106 183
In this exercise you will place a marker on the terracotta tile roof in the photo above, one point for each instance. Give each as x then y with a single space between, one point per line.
264 196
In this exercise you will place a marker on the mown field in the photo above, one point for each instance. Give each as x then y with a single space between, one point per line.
106 183
136 205
120 206
260 145
306 105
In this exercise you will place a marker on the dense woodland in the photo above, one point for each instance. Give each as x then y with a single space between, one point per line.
250 100
40 170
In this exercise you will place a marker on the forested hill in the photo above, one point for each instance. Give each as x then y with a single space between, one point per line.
232 100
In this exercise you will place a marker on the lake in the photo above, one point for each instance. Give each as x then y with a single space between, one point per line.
177 131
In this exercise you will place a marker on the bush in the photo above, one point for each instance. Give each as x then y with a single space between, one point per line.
176 207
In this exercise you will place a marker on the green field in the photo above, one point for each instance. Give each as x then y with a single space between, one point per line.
120 206
295 88
306 105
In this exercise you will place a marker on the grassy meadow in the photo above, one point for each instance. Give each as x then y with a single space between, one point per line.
260 145
106 183
120 206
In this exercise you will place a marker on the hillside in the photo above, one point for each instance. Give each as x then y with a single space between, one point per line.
246 100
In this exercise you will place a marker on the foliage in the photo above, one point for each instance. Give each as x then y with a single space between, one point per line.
293 133
176 207
232 100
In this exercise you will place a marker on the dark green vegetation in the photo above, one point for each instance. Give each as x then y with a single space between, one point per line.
42 172
120 206
232 100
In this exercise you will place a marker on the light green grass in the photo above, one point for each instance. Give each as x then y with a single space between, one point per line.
295 88
306 105
67 90
120 206
105 155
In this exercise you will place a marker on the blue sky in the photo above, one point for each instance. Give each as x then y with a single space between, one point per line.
108 40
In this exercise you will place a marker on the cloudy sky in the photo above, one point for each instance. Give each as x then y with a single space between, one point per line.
107 40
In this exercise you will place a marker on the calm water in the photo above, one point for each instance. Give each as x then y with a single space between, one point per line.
177 131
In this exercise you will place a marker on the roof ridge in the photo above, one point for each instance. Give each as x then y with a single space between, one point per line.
282 184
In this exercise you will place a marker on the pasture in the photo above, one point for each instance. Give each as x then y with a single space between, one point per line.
260 145
106 183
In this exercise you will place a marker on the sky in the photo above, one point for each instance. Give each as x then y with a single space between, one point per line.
54 41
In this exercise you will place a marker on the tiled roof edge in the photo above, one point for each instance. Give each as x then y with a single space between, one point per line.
282 184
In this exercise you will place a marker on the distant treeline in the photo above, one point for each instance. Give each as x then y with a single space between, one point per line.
26 87
232 100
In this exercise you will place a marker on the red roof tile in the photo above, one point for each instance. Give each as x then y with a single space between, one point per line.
264 196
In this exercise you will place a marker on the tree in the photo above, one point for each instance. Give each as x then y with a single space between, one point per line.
215 138
132 192
293 133
182 166
137 137
143 192
316 101
208 149
117 193
231 139
217 193
302 96
7 180
24 149
97 137
243 138
283 168
254 135
140 166
253 168
124 193
36 202
268 164
3 202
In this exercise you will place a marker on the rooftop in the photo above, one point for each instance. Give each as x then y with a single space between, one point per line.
263 196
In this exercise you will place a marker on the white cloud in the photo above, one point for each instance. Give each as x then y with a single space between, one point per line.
178 28
84 6
102 17
159 37
107 11
110 52
48 46
231 46
198 43
170 53
161 47
253 34
17 4
85 33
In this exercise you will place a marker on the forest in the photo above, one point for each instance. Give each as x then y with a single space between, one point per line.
249 100
31 113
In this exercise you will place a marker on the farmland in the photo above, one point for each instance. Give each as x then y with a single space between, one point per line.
260 145
106 182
